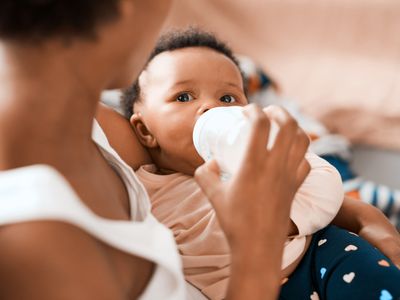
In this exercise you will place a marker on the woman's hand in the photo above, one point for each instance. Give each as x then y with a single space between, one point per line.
372 225
253 206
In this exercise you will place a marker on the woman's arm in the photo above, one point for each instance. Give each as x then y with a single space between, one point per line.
253 206
54 260
372 225
122 137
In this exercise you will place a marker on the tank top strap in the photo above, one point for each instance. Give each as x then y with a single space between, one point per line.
139 200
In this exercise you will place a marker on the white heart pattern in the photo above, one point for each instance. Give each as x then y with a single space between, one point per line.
314 296
350 248
349 277
321 242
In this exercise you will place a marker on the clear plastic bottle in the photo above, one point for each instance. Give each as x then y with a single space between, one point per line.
222 133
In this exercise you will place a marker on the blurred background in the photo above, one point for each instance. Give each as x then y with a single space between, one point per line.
338 59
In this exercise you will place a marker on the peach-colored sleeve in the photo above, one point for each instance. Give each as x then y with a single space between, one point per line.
319 198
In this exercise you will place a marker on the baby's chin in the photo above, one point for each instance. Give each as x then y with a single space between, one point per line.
186 164
188 169
199 161
191 168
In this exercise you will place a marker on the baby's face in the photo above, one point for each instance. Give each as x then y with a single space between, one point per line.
177 88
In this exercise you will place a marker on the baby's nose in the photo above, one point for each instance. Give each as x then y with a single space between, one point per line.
206 106
204 110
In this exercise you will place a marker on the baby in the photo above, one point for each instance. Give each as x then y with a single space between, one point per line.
189 73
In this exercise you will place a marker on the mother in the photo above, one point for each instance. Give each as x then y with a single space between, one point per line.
76 224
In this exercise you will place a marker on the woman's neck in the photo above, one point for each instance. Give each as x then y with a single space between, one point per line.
46 108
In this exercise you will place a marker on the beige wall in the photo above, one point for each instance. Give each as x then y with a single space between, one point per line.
339 58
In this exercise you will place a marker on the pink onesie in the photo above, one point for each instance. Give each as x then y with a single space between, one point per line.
179 203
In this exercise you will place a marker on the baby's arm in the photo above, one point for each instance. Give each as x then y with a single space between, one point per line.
319 198
122 137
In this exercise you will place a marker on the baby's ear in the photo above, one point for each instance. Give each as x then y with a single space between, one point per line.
144 135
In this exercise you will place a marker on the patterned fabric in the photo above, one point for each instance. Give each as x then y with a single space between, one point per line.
381 196
341 265
333 148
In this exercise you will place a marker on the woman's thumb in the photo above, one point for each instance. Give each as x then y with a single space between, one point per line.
208 178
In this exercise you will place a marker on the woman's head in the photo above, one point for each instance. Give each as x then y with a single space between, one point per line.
105 33
188 73
33 21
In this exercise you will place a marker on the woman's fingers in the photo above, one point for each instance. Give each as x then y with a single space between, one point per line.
259 133
298 149
208 178
302 172
287 131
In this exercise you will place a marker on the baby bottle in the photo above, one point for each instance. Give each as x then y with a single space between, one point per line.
222 133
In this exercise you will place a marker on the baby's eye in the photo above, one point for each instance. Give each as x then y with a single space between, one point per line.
227 99
184 97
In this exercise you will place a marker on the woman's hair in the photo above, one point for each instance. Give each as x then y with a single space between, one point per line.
37 20
173 40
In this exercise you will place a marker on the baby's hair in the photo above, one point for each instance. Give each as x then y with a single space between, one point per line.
173 40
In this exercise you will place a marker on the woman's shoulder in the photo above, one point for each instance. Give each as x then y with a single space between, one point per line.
47 230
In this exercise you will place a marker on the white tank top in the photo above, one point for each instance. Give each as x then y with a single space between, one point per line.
39 192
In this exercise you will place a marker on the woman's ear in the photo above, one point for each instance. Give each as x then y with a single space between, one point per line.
145 136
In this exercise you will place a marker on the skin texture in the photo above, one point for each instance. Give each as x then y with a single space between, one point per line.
48 98
50 93
177 88
355 216
122 137
284 155
164 124
372 225
159 106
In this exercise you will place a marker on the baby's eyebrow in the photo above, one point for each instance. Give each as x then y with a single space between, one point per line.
231 84
183 82
190 81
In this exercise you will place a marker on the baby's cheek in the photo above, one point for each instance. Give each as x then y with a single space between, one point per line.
176 139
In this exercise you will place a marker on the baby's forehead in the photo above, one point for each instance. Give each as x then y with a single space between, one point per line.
189 62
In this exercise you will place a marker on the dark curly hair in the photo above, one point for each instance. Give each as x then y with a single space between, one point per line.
173 40
38 20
